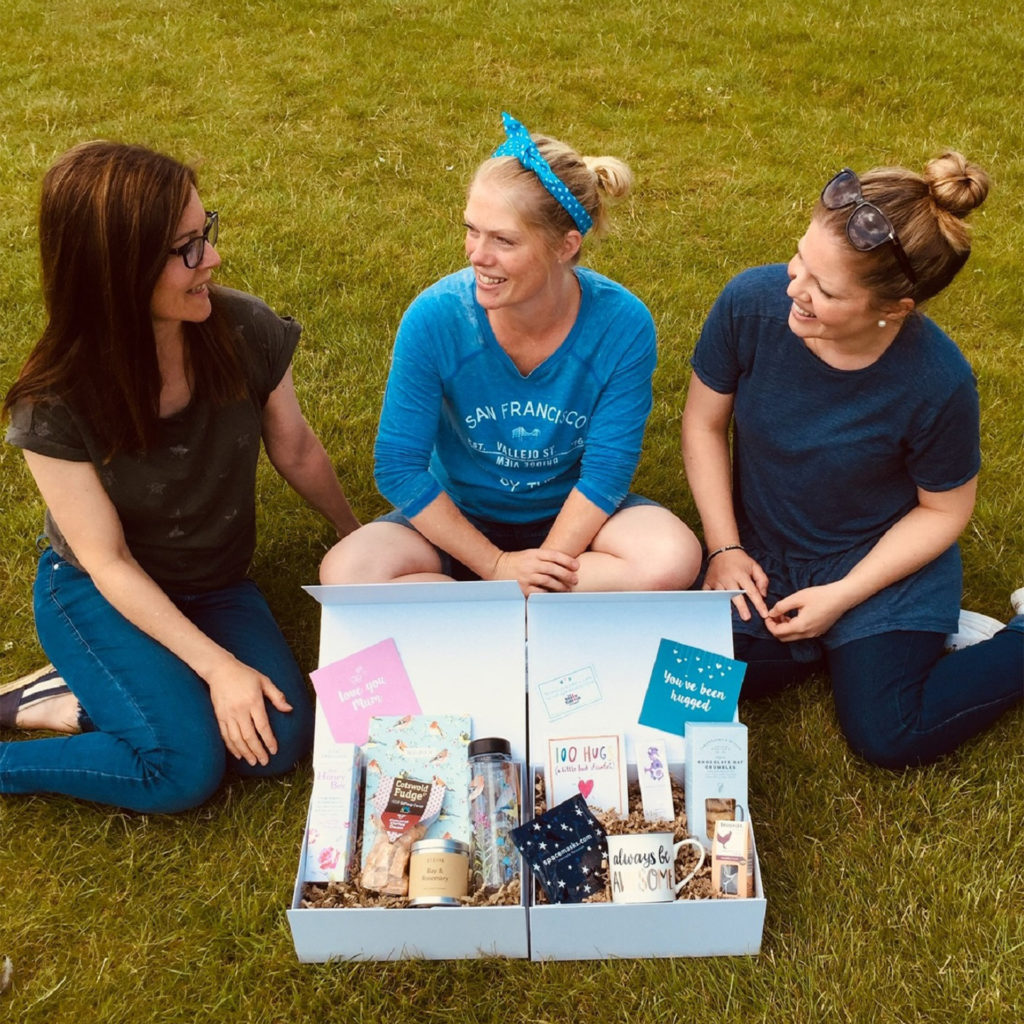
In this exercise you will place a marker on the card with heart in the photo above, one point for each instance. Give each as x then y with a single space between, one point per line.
593 767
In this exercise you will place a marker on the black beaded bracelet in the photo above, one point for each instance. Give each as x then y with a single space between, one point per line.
728 547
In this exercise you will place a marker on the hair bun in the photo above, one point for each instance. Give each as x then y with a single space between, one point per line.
614 177
956 185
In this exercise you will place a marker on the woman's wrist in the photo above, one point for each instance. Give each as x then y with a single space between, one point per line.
723 549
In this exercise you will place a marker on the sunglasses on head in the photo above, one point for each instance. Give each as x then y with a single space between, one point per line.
867 227
192 251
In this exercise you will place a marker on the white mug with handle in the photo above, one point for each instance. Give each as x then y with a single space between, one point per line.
641 866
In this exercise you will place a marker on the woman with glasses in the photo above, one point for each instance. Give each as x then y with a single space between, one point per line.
141 411
517 399
853 466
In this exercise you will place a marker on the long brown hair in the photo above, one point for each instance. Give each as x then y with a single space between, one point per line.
107 217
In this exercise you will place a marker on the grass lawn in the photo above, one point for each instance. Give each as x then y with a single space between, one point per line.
336 138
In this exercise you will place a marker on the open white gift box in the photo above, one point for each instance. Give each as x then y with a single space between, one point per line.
465 648
615 638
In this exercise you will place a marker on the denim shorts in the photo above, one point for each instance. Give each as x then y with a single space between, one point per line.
506 536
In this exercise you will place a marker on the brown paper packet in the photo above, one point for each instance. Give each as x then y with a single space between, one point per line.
732 862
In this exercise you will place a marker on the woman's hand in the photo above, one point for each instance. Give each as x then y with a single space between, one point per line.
537 570
237 694
808 613
736 570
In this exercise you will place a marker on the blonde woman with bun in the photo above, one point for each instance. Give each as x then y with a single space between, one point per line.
853 466
517 399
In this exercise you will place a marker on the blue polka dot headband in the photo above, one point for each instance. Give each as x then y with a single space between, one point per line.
522 147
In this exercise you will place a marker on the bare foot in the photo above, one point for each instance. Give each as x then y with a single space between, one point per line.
57 714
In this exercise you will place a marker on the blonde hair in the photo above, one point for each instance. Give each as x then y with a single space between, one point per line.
596 181
926 212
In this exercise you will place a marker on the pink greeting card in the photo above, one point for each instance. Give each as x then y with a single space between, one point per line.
370 682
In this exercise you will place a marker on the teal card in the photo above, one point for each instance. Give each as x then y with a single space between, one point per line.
690 685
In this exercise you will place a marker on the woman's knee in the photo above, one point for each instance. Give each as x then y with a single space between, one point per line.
657 549
670 556
892 749
183 777
378 553
885 707
679 561
293 731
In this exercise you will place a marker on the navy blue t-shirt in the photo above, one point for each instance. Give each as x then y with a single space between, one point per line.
826 460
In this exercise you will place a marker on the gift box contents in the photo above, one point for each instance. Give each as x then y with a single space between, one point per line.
640 873
441 826
409 810
434 803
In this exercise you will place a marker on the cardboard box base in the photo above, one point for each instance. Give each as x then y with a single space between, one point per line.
428 933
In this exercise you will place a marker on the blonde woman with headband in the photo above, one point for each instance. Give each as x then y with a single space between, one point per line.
517 399
853 467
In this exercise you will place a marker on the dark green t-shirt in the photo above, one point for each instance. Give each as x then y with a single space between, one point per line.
188 506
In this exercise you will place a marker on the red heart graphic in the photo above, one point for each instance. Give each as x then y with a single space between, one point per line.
586 787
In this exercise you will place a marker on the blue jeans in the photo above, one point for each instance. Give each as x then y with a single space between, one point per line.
899 700
151 743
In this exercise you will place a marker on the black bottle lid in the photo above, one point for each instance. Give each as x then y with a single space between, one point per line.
490 745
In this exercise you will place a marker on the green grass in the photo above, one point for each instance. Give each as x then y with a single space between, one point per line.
336 139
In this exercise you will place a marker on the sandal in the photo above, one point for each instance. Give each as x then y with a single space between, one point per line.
23 693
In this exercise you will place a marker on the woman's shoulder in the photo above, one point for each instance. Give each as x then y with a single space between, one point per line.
604 294
931 354
457 285
443 305
48 426
752 305
760 289
250 314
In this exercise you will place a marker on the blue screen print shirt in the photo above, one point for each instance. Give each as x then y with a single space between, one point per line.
826 460
459 417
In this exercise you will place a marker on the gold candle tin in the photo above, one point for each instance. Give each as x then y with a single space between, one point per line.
438 872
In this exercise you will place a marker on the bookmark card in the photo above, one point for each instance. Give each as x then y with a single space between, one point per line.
430 749
593 767
372 681
565 694
732 866
690 684
655 783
